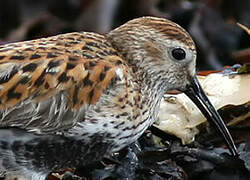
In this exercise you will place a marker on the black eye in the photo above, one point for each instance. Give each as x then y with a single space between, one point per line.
178 53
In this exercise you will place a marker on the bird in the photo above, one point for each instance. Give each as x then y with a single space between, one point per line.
73 98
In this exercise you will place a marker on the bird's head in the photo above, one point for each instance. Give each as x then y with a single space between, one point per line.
164 56
160 48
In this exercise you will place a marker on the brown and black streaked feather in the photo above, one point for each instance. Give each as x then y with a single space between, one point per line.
75 66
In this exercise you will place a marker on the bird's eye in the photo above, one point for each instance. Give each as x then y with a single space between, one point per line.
178 54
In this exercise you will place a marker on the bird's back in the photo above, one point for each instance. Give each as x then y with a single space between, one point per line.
46 84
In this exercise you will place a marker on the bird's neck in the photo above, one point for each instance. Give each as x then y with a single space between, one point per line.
151 88
141 57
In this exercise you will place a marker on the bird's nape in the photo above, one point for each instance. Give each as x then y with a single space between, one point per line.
195 92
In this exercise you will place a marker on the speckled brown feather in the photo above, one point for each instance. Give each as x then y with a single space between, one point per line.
171 30
83 64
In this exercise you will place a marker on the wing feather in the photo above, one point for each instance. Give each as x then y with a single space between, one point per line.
45 84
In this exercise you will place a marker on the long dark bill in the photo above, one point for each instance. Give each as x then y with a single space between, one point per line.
195 92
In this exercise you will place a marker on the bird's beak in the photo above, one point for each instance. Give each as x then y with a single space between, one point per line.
195 92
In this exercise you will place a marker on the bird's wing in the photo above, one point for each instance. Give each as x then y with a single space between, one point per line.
46 83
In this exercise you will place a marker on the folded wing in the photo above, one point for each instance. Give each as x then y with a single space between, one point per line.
46 84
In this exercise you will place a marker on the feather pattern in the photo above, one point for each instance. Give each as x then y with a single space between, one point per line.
47 83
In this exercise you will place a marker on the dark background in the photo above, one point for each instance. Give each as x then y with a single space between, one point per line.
212 23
